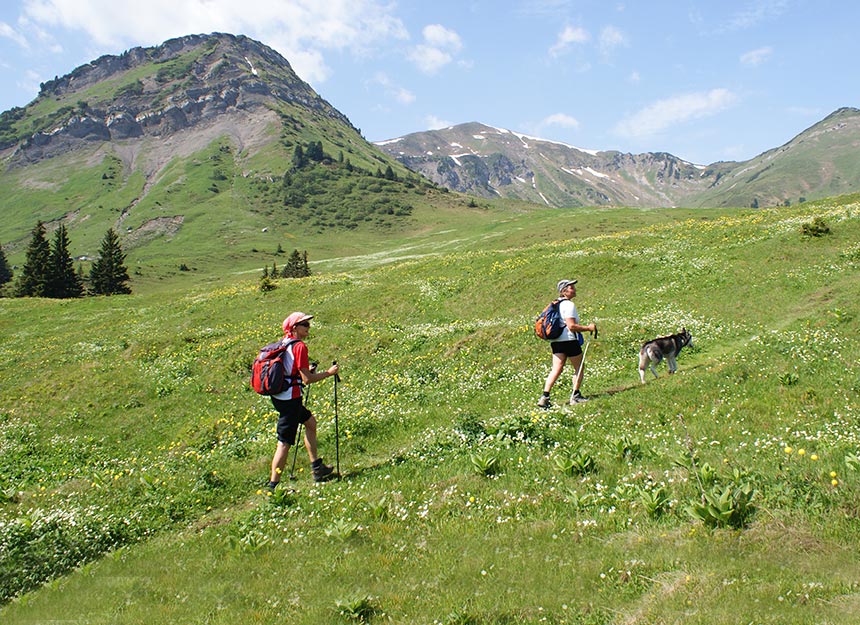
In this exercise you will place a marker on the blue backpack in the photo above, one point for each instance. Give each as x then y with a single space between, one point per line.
549 325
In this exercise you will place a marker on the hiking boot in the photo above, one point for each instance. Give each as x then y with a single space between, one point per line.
543 402
322 472
577 398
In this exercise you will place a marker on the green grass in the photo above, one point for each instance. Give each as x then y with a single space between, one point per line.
131 465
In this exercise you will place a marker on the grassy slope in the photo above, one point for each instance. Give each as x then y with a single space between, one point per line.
148 431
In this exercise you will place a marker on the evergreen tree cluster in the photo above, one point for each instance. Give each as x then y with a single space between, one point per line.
295 267
319 191
49 271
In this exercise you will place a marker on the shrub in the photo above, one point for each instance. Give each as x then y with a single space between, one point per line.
486 463
577 463
726 506
815 228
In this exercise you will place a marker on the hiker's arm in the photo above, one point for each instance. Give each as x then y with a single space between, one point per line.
578 327
309 377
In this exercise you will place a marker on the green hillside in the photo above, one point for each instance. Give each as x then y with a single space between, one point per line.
133 453
188 150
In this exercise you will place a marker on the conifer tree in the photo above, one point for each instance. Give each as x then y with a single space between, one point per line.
299 160
34 275
62 281
296 266
315 151
108 274
5 269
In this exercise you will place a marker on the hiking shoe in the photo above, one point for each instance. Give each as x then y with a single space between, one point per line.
577 398
322 472
543 402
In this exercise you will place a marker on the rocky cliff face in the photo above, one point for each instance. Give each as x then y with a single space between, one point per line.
161 90
487 161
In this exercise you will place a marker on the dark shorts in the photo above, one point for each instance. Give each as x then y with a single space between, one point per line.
292 412
568 348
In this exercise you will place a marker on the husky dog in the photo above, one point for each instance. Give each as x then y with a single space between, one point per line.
667 347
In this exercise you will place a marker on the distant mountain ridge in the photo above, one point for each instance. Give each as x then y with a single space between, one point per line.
492 162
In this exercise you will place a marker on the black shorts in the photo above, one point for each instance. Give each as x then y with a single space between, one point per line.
292 412
568 348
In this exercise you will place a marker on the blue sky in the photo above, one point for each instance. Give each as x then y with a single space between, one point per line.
704 80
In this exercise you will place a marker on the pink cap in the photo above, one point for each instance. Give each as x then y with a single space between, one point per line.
293 319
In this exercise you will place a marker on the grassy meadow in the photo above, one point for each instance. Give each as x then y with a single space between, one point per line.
133 453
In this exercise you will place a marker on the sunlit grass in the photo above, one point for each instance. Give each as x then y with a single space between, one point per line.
145 453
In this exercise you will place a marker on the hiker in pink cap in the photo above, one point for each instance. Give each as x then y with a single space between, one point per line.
288 403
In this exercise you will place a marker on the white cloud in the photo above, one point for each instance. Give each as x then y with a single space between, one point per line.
435 123
402 95
634 78
441 37
756 12
304 31
438 49
10 33
560 119
673 111
757 56
610 39
429 59
566 38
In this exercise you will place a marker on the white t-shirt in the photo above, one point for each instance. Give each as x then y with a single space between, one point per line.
567 310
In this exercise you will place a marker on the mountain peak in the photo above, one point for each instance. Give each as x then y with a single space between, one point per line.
156 91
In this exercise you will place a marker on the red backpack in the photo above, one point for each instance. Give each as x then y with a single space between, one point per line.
268 373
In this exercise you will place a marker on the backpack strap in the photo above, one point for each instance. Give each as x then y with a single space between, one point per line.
290 379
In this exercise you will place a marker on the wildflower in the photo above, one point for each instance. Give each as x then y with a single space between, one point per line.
813 457
801 452
788 450
833 474
834 482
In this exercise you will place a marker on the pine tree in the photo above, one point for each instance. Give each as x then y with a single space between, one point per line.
109 275
315 151
296 266
299 160
34 275
5 269
62 281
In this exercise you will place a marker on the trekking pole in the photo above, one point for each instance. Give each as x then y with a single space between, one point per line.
578 379
296 453
336 428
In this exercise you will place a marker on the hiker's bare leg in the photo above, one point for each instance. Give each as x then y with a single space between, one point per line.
279 461
558 361
311 438
577 379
